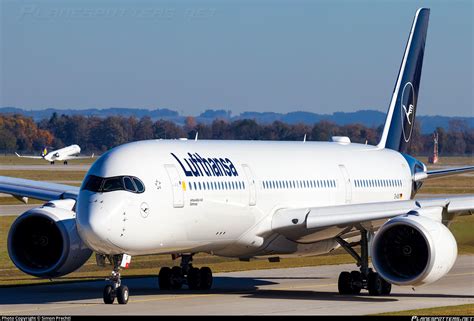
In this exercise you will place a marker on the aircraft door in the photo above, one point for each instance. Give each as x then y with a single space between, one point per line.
252 186
347 184
177 186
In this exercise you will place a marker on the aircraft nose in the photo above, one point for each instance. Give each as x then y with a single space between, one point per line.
94 221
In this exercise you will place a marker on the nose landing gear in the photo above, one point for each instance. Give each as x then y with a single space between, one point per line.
115 289
195 278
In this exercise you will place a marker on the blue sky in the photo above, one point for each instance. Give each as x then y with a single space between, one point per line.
319 56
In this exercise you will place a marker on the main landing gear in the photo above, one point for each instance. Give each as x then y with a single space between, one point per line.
65 162
353 282
115 289
174 278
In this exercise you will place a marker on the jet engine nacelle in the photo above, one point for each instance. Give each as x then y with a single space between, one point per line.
413 250
44 241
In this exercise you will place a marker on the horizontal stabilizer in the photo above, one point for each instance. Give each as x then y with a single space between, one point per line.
440 173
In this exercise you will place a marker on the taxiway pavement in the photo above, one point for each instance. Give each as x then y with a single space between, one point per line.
306 290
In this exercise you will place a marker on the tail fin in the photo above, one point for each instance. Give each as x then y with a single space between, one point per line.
45 152
401 113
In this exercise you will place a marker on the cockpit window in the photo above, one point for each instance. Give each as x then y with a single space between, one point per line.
139 184
93 183
117 183
129 186
113 184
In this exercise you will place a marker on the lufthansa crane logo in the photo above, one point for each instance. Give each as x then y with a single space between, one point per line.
407 110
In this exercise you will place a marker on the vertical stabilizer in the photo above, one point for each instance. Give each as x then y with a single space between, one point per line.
401 113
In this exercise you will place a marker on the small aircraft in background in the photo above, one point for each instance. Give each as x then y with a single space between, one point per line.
62 154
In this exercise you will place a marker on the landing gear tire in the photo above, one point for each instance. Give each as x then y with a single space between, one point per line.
377 285
164 278
194 279
349 283
355 281
343 283
122 294
109 294
115 288
176 278
205 275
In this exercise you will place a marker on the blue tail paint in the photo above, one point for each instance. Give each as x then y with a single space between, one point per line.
400 120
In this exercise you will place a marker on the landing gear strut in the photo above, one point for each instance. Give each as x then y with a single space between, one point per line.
115 289
194 278
65 162
353 282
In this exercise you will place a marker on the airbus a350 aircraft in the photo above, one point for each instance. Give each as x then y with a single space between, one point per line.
251 199
62 154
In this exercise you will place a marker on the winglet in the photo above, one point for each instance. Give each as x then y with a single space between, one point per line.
17 154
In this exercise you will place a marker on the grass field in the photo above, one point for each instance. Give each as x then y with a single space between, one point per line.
455 310
14 160
46 175
460 184
448 161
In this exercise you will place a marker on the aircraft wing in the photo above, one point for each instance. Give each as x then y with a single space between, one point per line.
77 157
304 219
35 157
45 191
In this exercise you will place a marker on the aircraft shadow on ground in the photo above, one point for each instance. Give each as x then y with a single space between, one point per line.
247 287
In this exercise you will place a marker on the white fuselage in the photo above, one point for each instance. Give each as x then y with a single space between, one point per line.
63 154
226 206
